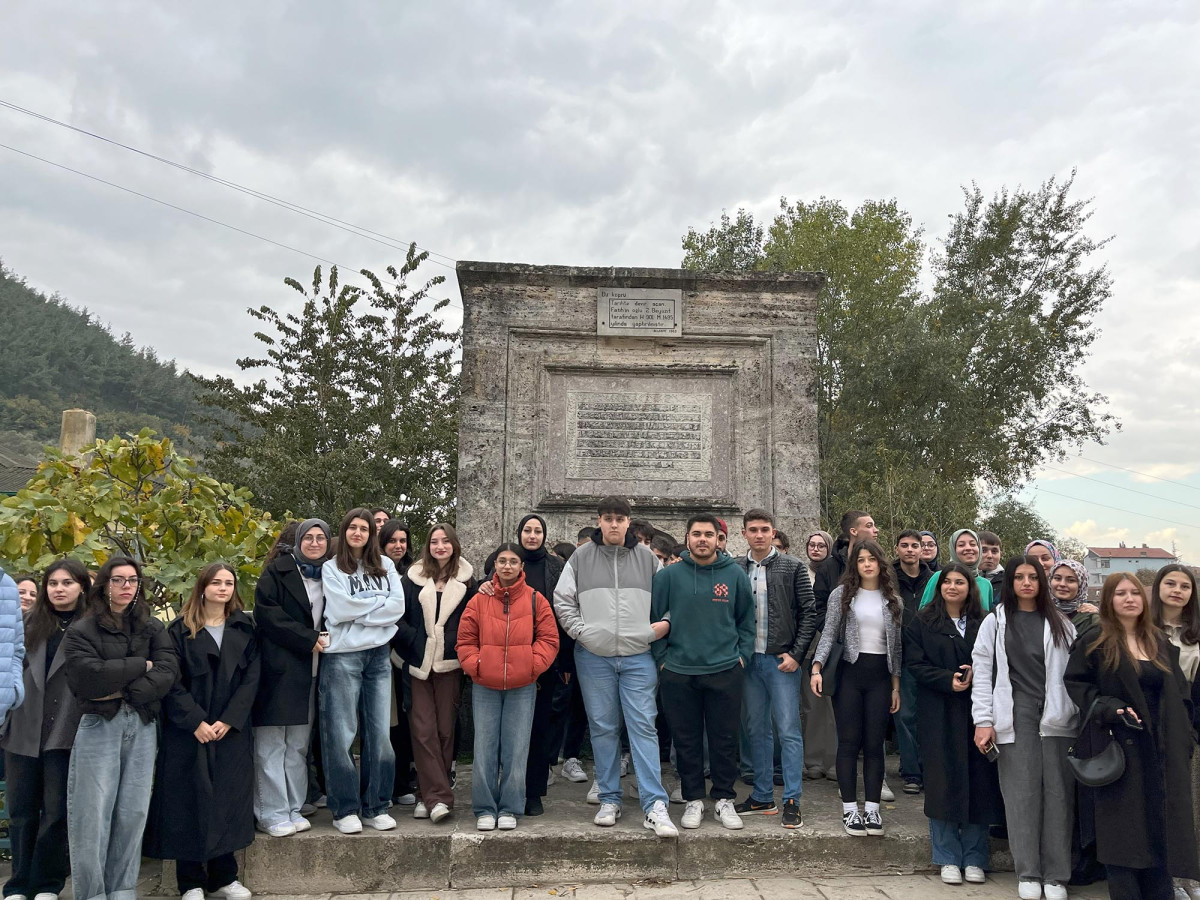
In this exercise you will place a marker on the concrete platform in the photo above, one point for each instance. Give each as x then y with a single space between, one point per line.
564 847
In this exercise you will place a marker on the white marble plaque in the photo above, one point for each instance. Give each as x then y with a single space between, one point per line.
639 436
639 312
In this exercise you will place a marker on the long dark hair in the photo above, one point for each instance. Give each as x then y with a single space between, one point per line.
1046 607
935 610
1189 616
285 543
371 560
41 620
852 581
193 607
1111 643
430 566
387 532
136 613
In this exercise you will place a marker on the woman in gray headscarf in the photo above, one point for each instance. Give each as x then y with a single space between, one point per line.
820 731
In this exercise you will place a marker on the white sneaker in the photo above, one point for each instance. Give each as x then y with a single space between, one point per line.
1029 890
235 890
350 824
1180 894
974 875
608 815
677 794
1055 891
727 815
49 896
550 777
485 823
572 770
382 822
407 800
193 894
886 794
506 822
302 824
282 829
951 875
625 764
693 814
419 811
659 821
439 812
593 796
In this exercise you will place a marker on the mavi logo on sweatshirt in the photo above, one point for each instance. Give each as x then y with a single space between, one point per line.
720 593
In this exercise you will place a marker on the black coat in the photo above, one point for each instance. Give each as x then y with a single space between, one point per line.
1139 823
203 793
960 784
827 574
286 636
564 661
103 658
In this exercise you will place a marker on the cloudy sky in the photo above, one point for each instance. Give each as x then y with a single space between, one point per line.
595 134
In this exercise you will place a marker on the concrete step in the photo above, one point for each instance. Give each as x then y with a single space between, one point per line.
563 846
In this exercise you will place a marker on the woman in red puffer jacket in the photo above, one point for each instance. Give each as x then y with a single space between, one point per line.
506 639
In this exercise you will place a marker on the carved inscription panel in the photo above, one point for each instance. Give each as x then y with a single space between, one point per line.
639 436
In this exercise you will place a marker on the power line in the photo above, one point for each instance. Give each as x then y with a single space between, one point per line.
325 218
1190 487
190 212
1116 508
1122 488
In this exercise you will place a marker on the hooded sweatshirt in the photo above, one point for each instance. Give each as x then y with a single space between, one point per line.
361 610
711 610
985 586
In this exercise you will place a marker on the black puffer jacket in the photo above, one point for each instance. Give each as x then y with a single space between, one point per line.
791 607
103 658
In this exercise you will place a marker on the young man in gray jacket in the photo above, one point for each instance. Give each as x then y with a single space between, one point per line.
785 624
603 602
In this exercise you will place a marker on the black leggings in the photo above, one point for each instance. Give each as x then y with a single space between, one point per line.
1139 884
861 708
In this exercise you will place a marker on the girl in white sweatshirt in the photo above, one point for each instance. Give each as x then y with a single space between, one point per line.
363 602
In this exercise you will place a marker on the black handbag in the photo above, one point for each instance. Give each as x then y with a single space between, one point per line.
1106 766
833 662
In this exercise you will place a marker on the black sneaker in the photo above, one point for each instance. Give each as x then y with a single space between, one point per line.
750 806
791 814
777 779
853 823
912 787
873 823
533 806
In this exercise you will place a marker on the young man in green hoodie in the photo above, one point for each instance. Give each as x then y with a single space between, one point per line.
702 662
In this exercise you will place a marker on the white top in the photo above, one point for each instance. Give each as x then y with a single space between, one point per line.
316 600
869 610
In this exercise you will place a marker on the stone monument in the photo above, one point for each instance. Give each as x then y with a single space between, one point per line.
683 391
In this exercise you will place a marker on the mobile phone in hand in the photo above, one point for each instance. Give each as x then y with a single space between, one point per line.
991 751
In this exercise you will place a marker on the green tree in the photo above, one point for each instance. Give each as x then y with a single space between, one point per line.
138 497
1016 524
733 246
357 403
1146 576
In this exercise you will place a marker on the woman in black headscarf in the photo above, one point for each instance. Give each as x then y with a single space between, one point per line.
542 570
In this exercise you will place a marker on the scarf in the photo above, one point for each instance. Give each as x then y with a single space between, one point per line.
828 543
307 567
933 564
1049 546
535 560
972 568
1070 607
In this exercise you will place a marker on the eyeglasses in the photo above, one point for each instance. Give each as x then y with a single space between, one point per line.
816 545
313 539
118 581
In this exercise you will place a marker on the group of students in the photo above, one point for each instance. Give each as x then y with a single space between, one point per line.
194 734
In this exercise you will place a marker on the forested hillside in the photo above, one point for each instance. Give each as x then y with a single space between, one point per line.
56 356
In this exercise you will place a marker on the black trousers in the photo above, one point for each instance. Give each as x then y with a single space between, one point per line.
401 734
1139 884
208 876
37 811
551 709
577 723
861 709
700 705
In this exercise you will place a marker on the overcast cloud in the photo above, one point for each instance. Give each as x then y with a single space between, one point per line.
595 134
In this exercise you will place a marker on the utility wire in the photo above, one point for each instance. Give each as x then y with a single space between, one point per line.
1190 487
350 227
1116 508
1121 488
243 231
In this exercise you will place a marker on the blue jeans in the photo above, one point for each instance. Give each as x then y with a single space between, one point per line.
959 845
770 695
613 686
503 720
108 801
350 681
281 770
906 731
